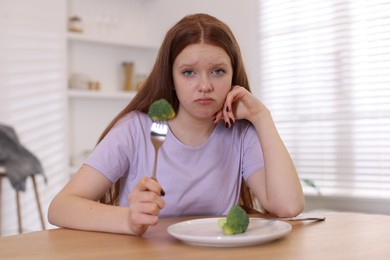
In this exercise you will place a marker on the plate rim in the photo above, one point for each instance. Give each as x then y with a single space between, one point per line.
228 241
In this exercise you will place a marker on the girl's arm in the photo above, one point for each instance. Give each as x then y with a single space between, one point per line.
76 206
277 185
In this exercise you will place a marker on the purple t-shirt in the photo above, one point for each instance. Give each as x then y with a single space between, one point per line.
202 180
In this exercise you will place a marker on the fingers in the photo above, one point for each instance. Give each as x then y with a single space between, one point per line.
230 106
241 104
223 115
147 191
145 204
162 192
218 116
226 113
150 184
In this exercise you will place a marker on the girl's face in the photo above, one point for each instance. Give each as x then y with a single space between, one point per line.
202 75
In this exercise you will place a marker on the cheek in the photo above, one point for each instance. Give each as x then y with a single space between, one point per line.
184 87
182 91
224 83
224 87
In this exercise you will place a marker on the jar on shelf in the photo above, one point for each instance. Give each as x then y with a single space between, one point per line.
128 69
94 85
75 24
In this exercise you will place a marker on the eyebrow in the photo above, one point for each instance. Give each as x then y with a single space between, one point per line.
219 64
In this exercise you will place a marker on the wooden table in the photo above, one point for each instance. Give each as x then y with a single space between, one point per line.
340 236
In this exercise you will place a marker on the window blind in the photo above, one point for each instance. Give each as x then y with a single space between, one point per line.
32 100
325 76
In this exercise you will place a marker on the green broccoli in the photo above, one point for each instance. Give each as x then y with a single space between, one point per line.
236 221
161 110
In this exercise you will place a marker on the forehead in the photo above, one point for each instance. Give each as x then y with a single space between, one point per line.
201 51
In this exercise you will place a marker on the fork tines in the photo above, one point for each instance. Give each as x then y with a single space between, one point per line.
159 128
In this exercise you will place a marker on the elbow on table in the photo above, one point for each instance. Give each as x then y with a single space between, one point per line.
287 210
52 213
291 210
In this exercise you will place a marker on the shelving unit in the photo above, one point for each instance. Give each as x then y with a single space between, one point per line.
87 94
97 54
135 43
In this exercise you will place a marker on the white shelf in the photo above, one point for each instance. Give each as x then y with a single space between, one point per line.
98 53
89 94
80 37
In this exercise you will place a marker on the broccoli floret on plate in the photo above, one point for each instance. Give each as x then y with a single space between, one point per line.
236 221
161 110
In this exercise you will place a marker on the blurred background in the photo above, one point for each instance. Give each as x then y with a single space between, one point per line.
67 67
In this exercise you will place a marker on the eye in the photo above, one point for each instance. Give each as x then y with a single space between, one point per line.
188 72
218 71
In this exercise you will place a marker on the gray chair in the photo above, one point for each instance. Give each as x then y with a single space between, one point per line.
17 164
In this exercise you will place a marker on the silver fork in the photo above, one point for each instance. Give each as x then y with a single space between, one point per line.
158 134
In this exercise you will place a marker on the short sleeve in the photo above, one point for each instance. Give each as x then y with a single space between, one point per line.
252 157
111 155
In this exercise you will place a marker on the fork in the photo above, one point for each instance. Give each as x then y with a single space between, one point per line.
298 218
158 134
303 217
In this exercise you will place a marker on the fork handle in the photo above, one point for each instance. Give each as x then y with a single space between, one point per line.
155 163
155 169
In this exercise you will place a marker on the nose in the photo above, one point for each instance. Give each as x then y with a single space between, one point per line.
205 84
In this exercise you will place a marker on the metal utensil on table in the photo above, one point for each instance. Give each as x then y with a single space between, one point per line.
158 134
303 218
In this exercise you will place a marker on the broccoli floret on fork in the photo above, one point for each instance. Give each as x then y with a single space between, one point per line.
161 110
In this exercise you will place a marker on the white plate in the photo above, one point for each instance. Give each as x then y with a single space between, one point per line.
206 232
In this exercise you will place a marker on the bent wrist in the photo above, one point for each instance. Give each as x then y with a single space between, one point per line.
262 115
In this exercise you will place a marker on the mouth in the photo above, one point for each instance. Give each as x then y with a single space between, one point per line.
204 100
